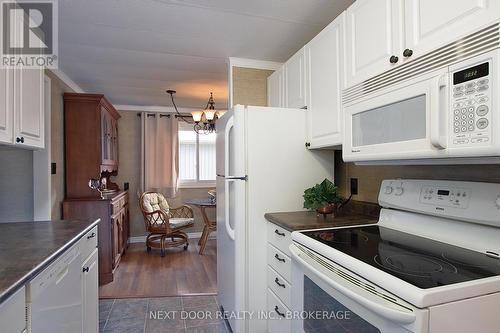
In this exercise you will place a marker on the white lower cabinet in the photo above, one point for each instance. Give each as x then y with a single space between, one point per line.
279 315
90 294
13 313
279 287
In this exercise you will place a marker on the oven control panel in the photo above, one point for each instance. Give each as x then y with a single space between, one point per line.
469 201
471 94
445 196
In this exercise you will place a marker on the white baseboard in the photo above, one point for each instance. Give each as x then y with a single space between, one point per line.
191 235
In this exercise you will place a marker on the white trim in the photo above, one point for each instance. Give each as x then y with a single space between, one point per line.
187 184
253 63
153 108
67 80
191 235
42 188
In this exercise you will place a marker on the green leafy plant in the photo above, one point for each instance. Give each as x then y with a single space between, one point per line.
321 195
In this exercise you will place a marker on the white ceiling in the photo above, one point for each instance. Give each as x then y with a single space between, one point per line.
133 50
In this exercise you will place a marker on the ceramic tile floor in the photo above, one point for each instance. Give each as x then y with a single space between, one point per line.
137 315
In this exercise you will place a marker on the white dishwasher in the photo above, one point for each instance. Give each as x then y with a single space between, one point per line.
53 301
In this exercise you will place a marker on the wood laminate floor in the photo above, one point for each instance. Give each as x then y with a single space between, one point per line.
179 273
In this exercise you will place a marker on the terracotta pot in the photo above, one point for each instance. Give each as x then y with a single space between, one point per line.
328 209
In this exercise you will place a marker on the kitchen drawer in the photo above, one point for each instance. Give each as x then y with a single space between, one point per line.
279 286
276 309
13 312
279 237
117 206
88 243
279 261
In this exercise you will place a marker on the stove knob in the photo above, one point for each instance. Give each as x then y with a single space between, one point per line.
399 191
388 189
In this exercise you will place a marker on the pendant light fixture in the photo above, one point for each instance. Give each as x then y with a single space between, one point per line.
204 120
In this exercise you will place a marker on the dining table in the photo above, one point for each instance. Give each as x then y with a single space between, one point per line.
209 225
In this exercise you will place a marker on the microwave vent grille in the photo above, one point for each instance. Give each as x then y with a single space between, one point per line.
482 41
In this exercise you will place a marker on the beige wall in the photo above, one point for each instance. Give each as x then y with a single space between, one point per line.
370 177
58 88
250 86
129 132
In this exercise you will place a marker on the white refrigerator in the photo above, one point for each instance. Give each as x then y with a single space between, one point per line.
262 166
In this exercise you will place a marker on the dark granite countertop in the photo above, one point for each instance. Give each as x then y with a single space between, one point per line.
354 213
26 248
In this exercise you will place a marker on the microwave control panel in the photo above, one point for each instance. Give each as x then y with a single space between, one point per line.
471 106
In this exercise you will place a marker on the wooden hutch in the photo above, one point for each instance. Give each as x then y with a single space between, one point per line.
91 147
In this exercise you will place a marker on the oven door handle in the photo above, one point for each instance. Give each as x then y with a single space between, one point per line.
436 112
402 317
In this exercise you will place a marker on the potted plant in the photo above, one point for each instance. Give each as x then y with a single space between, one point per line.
323 198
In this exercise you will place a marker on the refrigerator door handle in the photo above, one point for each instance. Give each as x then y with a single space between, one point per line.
229 230
227 130
245 178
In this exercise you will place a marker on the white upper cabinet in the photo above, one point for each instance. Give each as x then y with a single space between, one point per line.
29 108
295 81
374 32
6 105
275 89
324 55
383 34
22 118
431 24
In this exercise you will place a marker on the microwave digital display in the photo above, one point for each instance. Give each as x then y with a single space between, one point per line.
471 73
443 192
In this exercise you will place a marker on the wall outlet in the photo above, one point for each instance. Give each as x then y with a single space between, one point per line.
354 186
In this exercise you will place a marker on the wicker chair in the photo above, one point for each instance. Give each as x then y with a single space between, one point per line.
163 223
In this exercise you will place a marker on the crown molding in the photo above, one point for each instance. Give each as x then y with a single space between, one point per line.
67 80
253 63
152 108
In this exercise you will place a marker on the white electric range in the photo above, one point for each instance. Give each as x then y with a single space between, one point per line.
430 265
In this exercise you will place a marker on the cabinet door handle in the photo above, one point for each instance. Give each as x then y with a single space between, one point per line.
85 269
20 140
308 144
279 233
278 258
278 311
277 281
91 235
393 59
407 53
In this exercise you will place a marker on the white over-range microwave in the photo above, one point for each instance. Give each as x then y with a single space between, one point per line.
450 112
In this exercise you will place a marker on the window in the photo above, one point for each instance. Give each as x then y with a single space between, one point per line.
196 158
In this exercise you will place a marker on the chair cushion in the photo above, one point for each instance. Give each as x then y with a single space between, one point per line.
155 201
177 222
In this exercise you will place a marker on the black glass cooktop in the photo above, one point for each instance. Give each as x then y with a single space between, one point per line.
420 261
